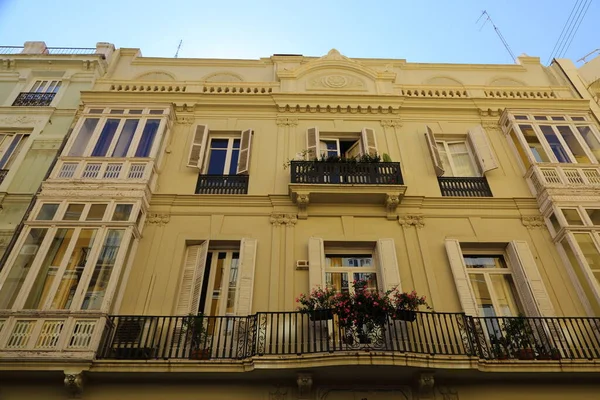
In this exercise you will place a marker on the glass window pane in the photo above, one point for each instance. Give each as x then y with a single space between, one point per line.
135 111
106 137
122 212
590 138
219 143
20 268
338 281
572 216
47 212
10 151
73 212
594 215
445 160
125 138
581 276
116 111
506 294
96 111
235 155
540 118
145 145
96 212
74 271
554 222
589 250
558 118
463 164
521 117
482 295
578 118
555 145
369 277
156 111
94 295
216 162
476 261
45 277
233 279
520 150
569 137
539 154
350 260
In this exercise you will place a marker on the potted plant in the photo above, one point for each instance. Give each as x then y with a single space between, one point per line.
500 347
406 304
319 304
544 353
520 337
196 332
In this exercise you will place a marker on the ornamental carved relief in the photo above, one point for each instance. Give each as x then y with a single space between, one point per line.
490 124
18 120
407 221
158 219
278 394
185 119
535 222
74 385
287 121
391 123
336 81
279 219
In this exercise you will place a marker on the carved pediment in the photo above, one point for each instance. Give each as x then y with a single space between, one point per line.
335 80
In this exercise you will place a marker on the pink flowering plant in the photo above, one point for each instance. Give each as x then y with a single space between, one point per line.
318 299
408 301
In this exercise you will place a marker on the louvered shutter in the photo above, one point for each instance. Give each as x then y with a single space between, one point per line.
316 262
198 147
244 159
312 143
388 265
461 278
369 141
191 282
531 288
483 150
246 284
434 152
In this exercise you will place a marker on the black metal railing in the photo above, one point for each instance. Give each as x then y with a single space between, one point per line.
377 173
295 333
465 187
3 173
222 184
33 99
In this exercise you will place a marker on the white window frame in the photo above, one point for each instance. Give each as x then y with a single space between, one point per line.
451 167
64 204
224 290
228 156
45 86
6 140
323 141
373 269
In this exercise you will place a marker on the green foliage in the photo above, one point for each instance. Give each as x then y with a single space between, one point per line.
195 327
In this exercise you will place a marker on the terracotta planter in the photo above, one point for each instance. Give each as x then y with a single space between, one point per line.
406 315
320 315
525 354
200 354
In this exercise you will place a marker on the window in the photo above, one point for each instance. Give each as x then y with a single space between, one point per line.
225 153
456 158
223 156
555 138
493 286
45 86
345 145
47 212
342 269
221 277
340 147
116 133
573 217
122 212
10 146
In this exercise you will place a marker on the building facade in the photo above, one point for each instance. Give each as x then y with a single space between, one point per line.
190 187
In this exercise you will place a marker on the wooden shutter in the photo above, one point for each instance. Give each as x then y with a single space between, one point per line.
198 147
244 159
483 150
369 141
531 288
461 278
191 282
434 152
316 262
246 284
312 143
388 265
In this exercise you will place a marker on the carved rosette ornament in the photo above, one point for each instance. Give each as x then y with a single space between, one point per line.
535 222
391 123
74 384
186 119
406 221
287 122
304 382
279 219
158 219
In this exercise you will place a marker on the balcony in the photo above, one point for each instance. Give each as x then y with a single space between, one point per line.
33 99
548 179
317 182
96 168
294 335
464 186
222 184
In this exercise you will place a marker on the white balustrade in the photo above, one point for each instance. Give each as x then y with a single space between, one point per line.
543 176
89 169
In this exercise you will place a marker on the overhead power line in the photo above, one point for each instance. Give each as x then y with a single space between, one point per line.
504 42
562 32
570 29
576 29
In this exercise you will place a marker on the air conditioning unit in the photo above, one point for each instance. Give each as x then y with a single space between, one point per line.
302 264
29 249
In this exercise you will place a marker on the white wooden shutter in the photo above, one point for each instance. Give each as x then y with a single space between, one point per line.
316 262
369 141
246 284
198 147
244 159
389 275
531 288
191 282
483 150
434 152
461 278
312 143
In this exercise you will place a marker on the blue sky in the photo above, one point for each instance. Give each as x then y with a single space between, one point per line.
419 31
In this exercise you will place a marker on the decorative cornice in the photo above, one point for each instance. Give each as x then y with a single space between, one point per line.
158 219
278 219
533 222
406 221
287 121
337 109
391 123
12 120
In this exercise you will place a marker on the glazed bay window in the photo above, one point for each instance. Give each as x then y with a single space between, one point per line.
10 147
552 138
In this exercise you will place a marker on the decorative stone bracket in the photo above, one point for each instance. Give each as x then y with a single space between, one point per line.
74 384
305 383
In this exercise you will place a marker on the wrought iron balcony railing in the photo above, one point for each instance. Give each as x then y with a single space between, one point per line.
465 186
348 173
295 333
33 99
222 184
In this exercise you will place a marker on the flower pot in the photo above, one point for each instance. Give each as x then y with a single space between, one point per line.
553 354
320 315
406 315
200 354
525 354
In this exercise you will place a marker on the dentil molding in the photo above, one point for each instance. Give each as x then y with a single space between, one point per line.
406 221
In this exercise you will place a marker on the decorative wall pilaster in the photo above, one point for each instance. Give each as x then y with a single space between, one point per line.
286 148
282 242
